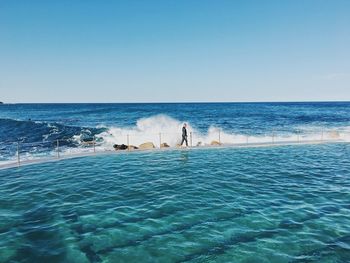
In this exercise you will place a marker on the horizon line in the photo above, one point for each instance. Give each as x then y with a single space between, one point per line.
179 102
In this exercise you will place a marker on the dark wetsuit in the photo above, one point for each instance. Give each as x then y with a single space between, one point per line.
184 136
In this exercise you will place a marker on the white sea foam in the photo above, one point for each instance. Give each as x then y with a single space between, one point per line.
162 128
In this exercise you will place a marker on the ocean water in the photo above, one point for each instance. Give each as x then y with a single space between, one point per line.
266 204
37 127
288 203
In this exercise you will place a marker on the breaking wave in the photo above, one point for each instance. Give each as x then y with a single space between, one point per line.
39 138
162 128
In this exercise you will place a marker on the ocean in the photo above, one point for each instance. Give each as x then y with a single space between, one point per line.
37 127
272 203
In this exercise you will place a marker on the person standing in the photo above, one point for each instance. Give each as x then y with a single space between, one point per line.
184 135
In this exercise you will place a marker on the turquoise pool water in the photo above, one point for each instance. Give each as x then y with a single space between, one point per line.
271 204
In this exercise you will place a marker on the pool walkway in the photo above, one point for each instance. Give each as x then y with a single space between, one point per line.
65 155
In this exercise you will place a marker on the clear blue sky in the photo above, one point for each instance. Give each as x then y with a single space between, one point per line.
163 51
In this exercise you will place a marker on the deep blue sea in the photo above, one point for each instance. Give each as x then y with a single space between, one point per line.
272 203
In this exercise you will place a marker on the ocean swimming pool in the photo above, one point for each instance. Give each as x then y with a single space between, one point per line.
268 204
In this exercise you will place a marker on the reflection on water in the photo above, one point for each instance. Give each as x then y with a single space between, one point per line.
184 156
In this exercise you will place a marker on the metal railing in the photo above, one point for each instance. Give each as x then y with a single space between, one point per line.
26 152
61 147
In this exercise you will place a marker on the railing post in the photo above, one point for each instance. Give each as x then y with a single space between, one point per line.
219 136
58 149
191 139
94 143
127 141
160 140
298 136
18 155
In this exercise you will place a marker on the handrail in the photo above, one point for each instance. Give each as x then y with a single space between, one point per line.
61 146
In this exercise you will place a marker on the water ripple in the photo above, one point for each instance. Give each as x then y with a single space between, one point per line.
281 204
